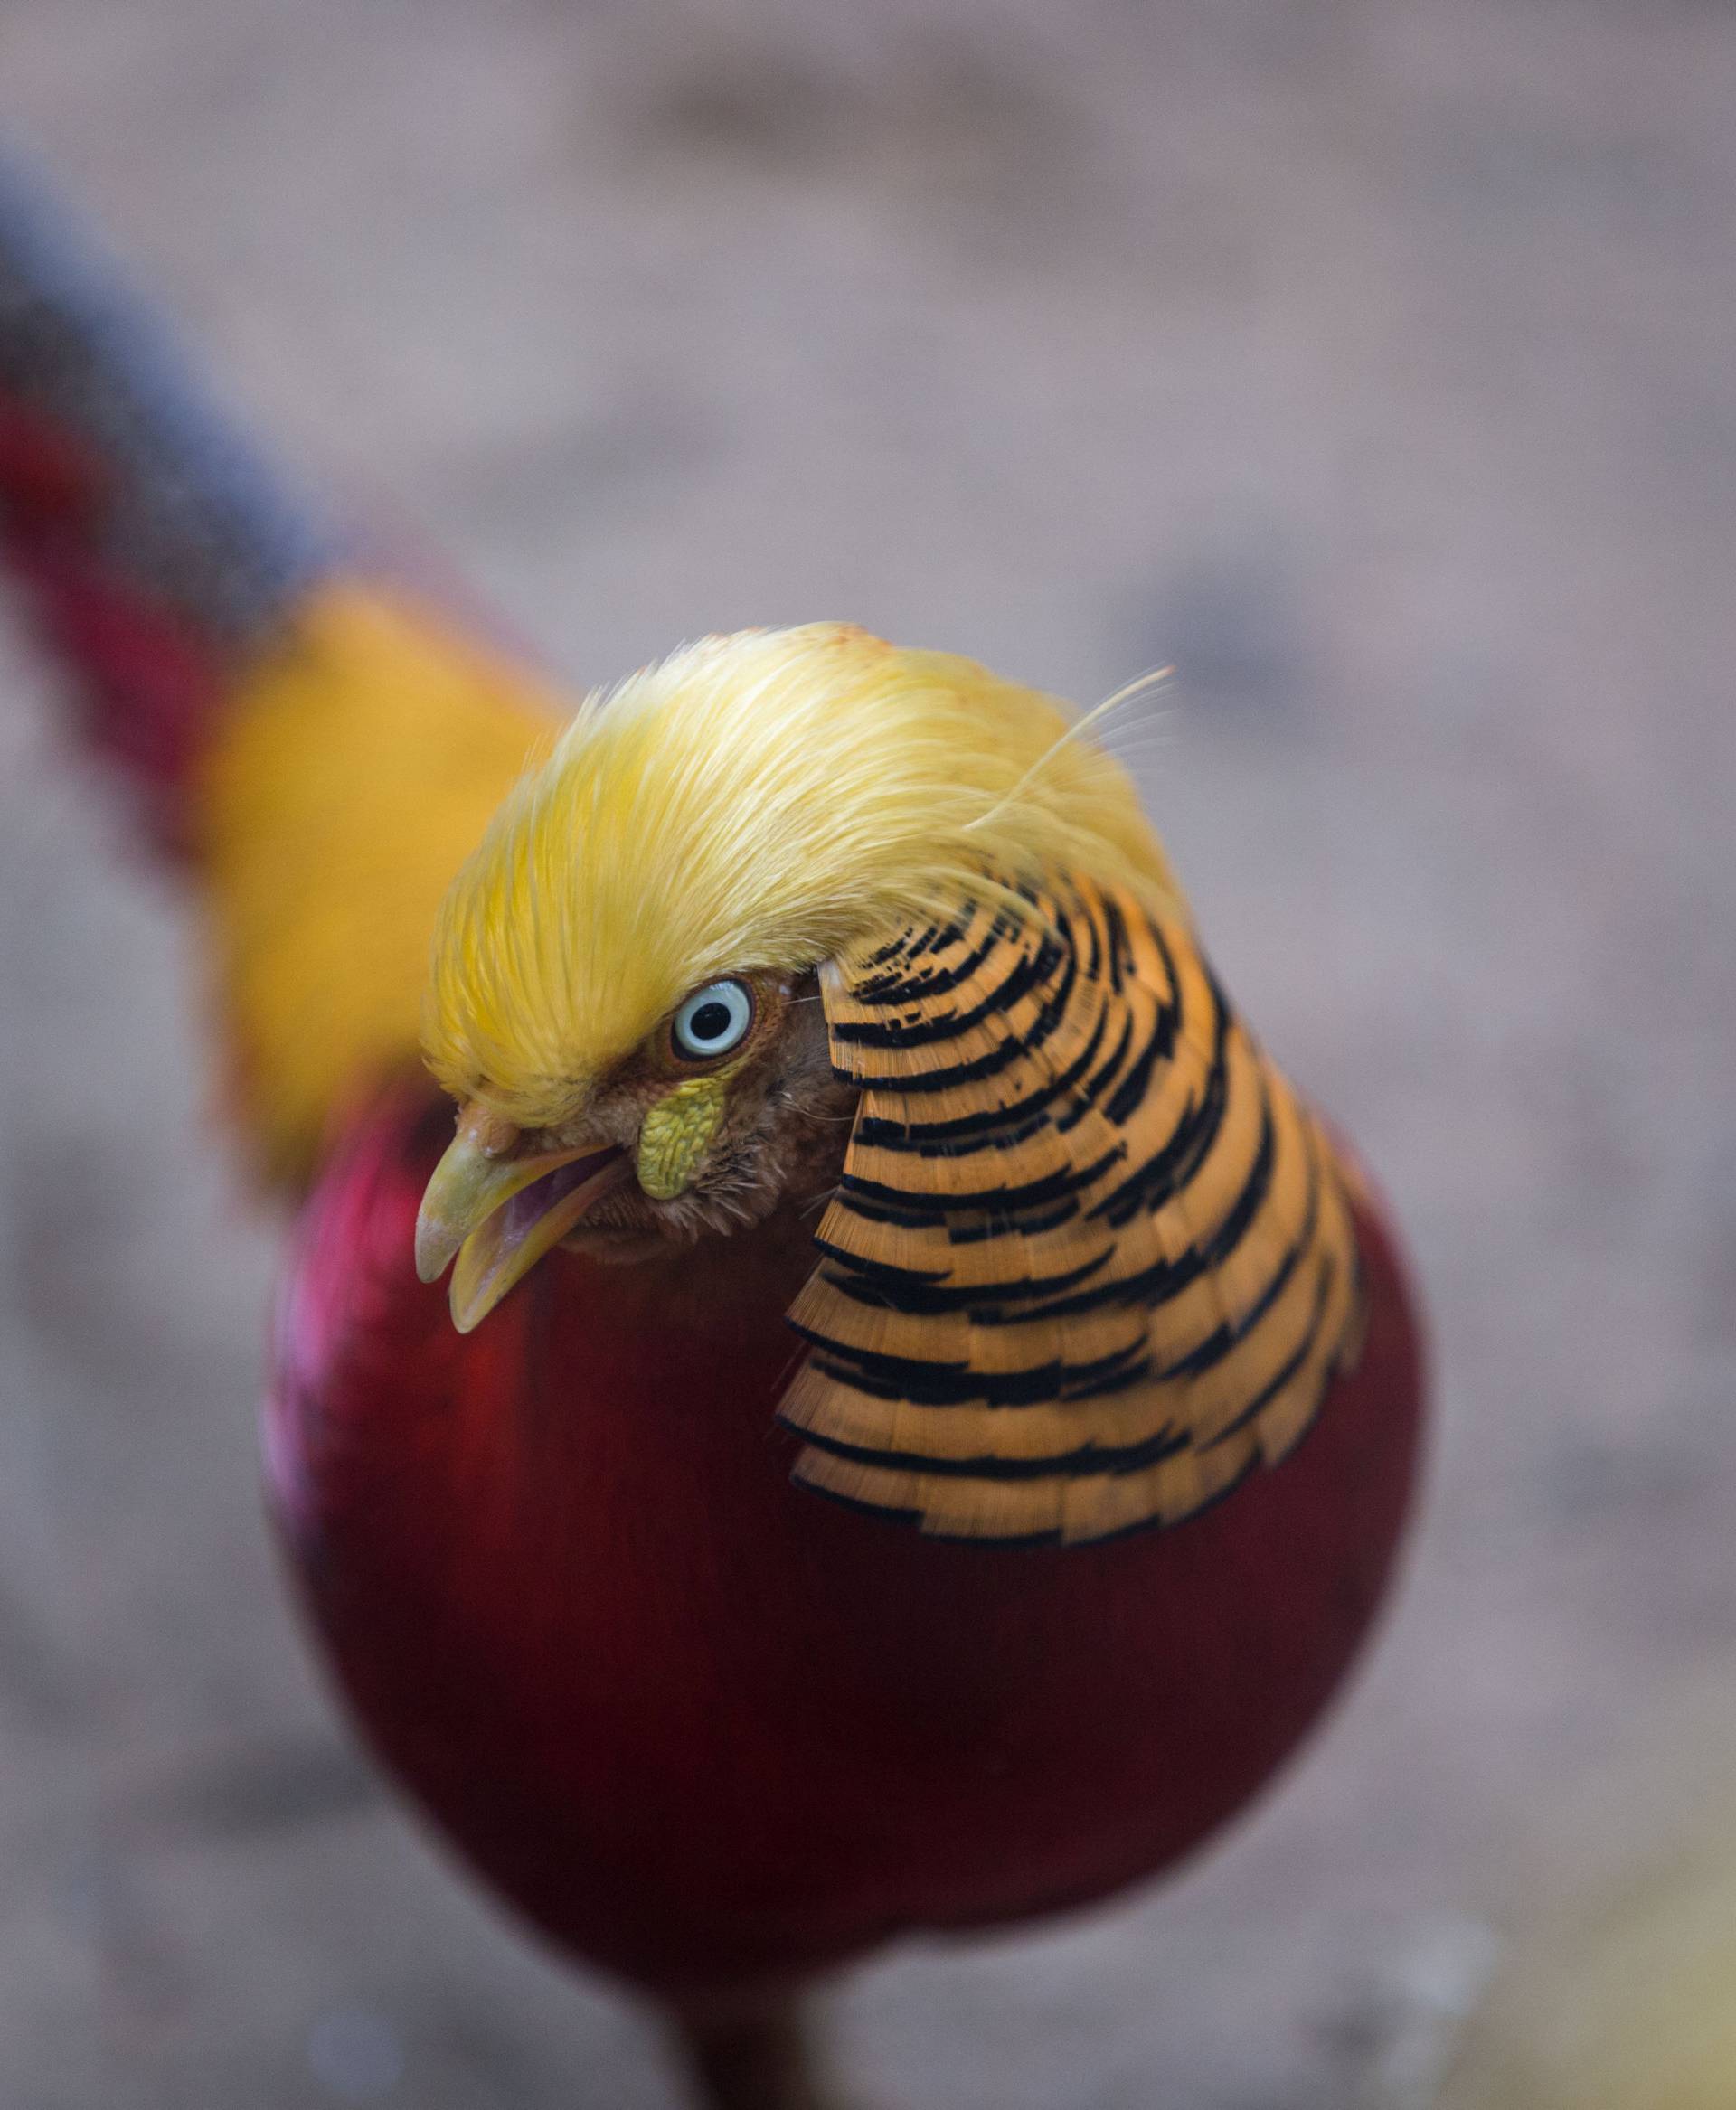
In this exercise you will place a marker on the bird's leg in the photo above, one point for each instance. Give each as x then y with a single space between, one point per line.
751 2055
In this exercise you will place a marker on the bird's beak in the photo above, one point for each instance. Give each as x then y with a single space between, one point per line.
499 1207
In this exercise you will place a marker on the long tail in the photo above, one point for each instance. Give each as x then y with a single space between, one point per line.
156 546
326 749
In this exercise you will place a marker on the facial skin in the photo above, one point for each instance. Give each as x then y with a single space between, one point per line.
729 1140
781 1134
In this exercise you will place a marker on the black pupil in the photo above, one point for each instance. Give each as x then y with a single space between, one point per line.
710 1021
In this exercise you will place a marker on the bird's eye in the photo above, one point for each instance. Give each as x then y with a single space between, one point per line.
712 1021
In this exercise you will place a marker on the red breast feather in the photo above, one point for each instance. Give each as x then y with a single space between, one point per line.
704 1729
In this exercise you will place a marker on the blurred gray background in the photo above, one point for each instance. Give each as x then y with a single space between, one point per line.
1373 363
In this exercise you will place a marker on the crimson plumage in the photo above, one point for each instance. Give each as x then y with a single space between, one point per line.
704 1729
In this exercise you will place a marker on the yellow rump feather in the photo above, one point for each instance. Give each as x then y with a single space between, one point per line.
355 769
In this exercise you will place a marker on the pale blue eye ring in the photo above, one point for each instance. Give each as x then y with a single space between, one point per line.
712 1021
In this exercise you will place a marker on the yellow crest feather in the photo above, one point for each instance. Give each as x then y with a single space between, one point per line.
764 800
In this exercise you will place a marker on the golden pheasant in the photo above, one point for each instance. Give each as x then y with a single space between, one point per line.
923 1411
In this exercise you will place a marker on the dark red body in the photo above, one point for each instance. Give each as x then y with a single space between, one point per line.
702 1726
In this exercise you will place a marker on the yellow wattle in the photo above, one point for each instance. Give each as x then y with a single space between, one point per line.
676 1133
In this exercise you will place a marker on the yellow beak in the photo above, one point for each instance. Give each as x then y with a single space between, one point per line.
498 1208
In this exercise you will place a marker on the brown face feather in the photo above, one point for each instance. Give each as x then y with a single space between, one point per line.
781 1138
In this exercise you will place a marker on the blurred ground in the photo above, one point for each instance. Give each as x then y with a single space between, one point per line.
1371 362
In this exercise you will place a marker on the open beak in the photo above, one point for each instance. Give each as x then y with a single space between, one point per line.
498 1208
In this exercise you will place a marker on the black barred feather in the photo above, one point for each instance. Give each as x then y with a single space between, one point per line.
1090 1260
